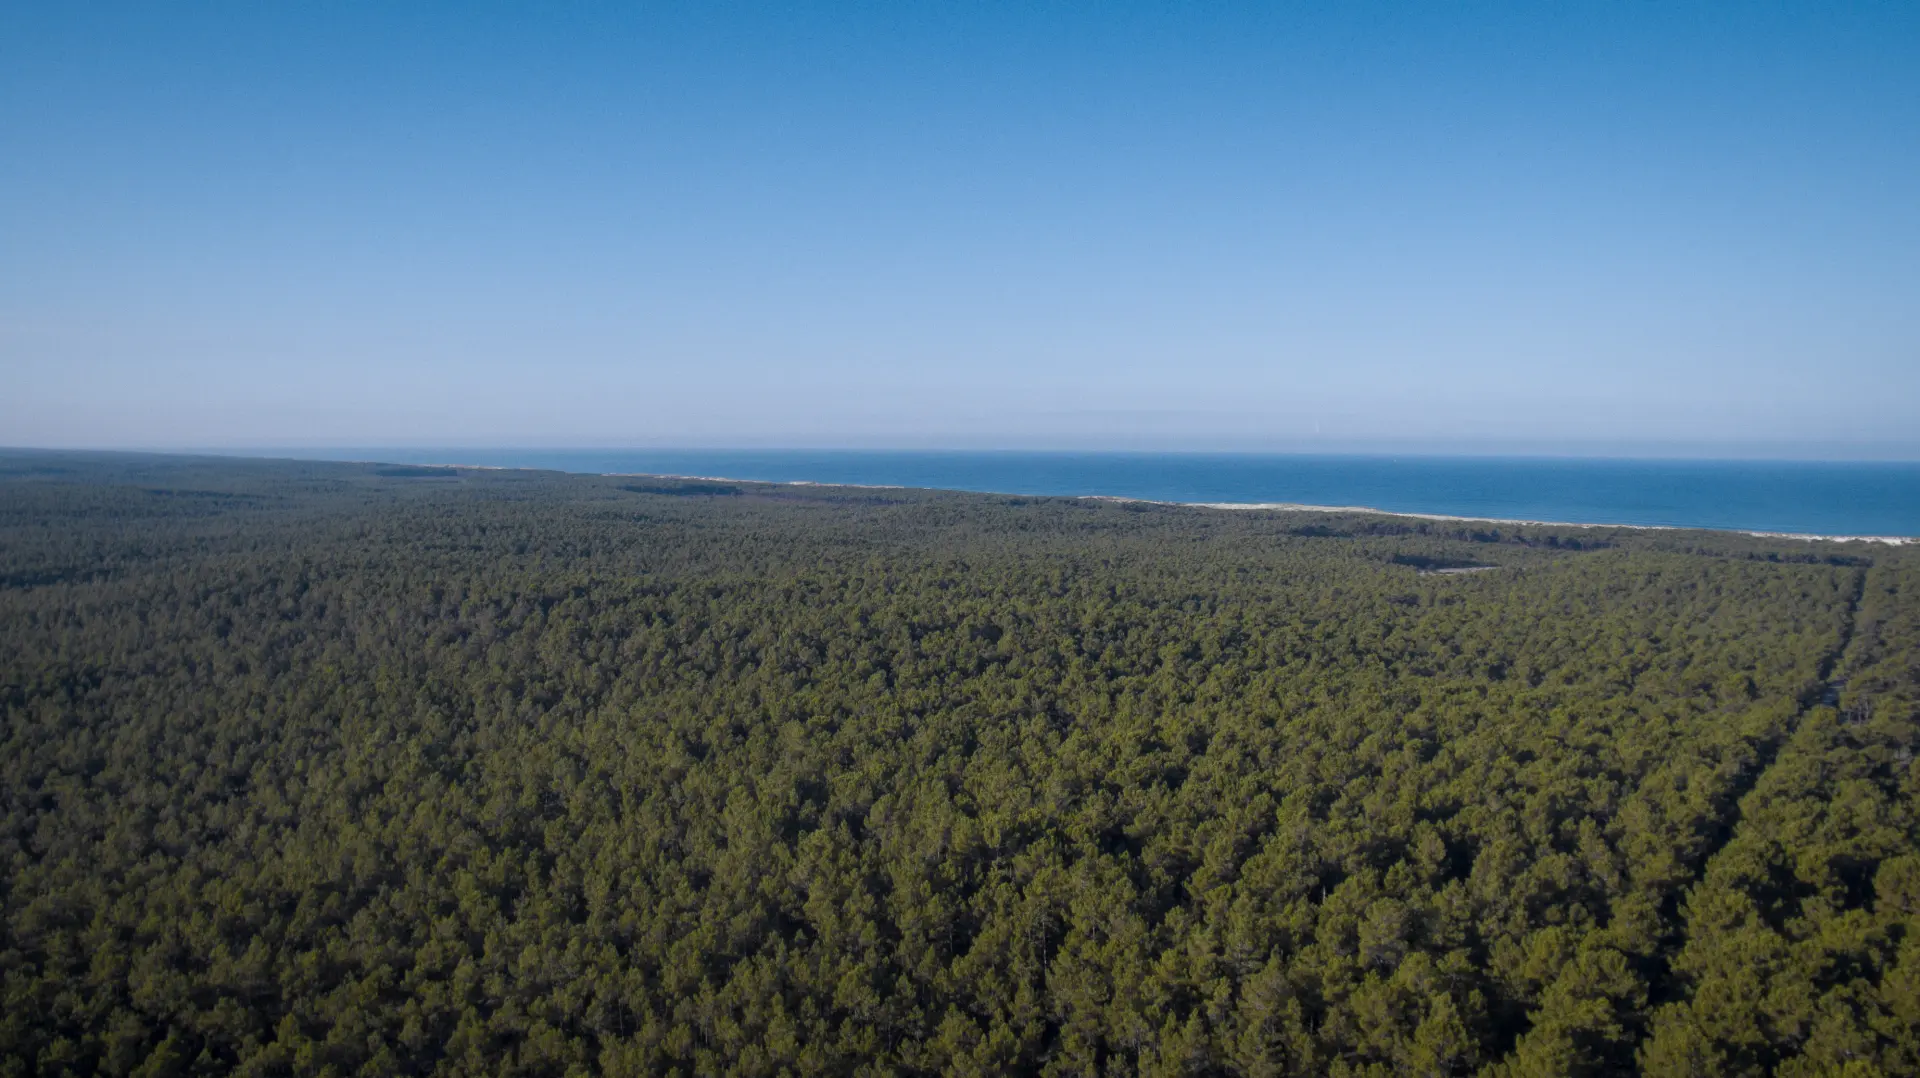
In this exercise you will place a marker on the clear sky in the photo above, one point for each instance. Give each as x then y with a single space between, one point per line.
1549 227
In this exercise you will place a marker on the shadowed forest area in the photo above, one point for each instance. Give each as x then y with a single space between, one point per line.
314 768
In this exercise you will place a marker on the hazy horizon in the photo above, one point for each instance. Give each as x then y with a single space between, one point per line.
420 452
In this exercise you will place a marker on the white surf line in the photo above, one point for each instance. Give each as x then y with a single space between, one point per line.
1278 507
1295 507
1890 540
765 482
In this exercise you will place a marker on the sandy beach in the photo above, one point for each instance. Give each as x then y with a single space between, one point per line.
1291 507
1297 507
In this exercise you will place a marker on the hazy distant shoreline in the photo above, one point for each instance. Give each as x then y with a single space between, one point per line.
985 486
1298 507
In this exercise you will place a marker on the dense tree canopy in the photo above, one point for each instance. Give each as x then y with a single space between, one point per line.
348 769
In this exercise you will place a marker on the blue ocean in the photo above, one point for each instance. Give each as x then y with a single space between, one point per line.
1814 498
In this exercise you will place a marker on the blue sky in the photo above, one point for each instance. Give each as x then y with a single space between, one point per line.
1548 227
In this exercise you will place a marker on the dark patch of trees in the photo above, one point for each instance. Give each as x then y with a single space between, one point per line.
1429 562
413 471
683 489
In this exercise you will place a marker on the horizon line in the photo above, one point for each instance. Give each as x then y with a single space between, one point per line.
1652 452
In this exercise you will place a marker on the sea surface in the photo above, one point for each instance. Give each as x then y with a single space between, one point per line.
1809 498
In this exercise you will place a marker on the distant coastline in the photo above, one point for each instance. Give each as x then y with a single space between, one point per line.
1891 540
1293 507
1810 501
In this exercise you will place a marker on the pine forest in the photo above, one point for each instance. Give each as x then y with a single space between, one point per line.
361 769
